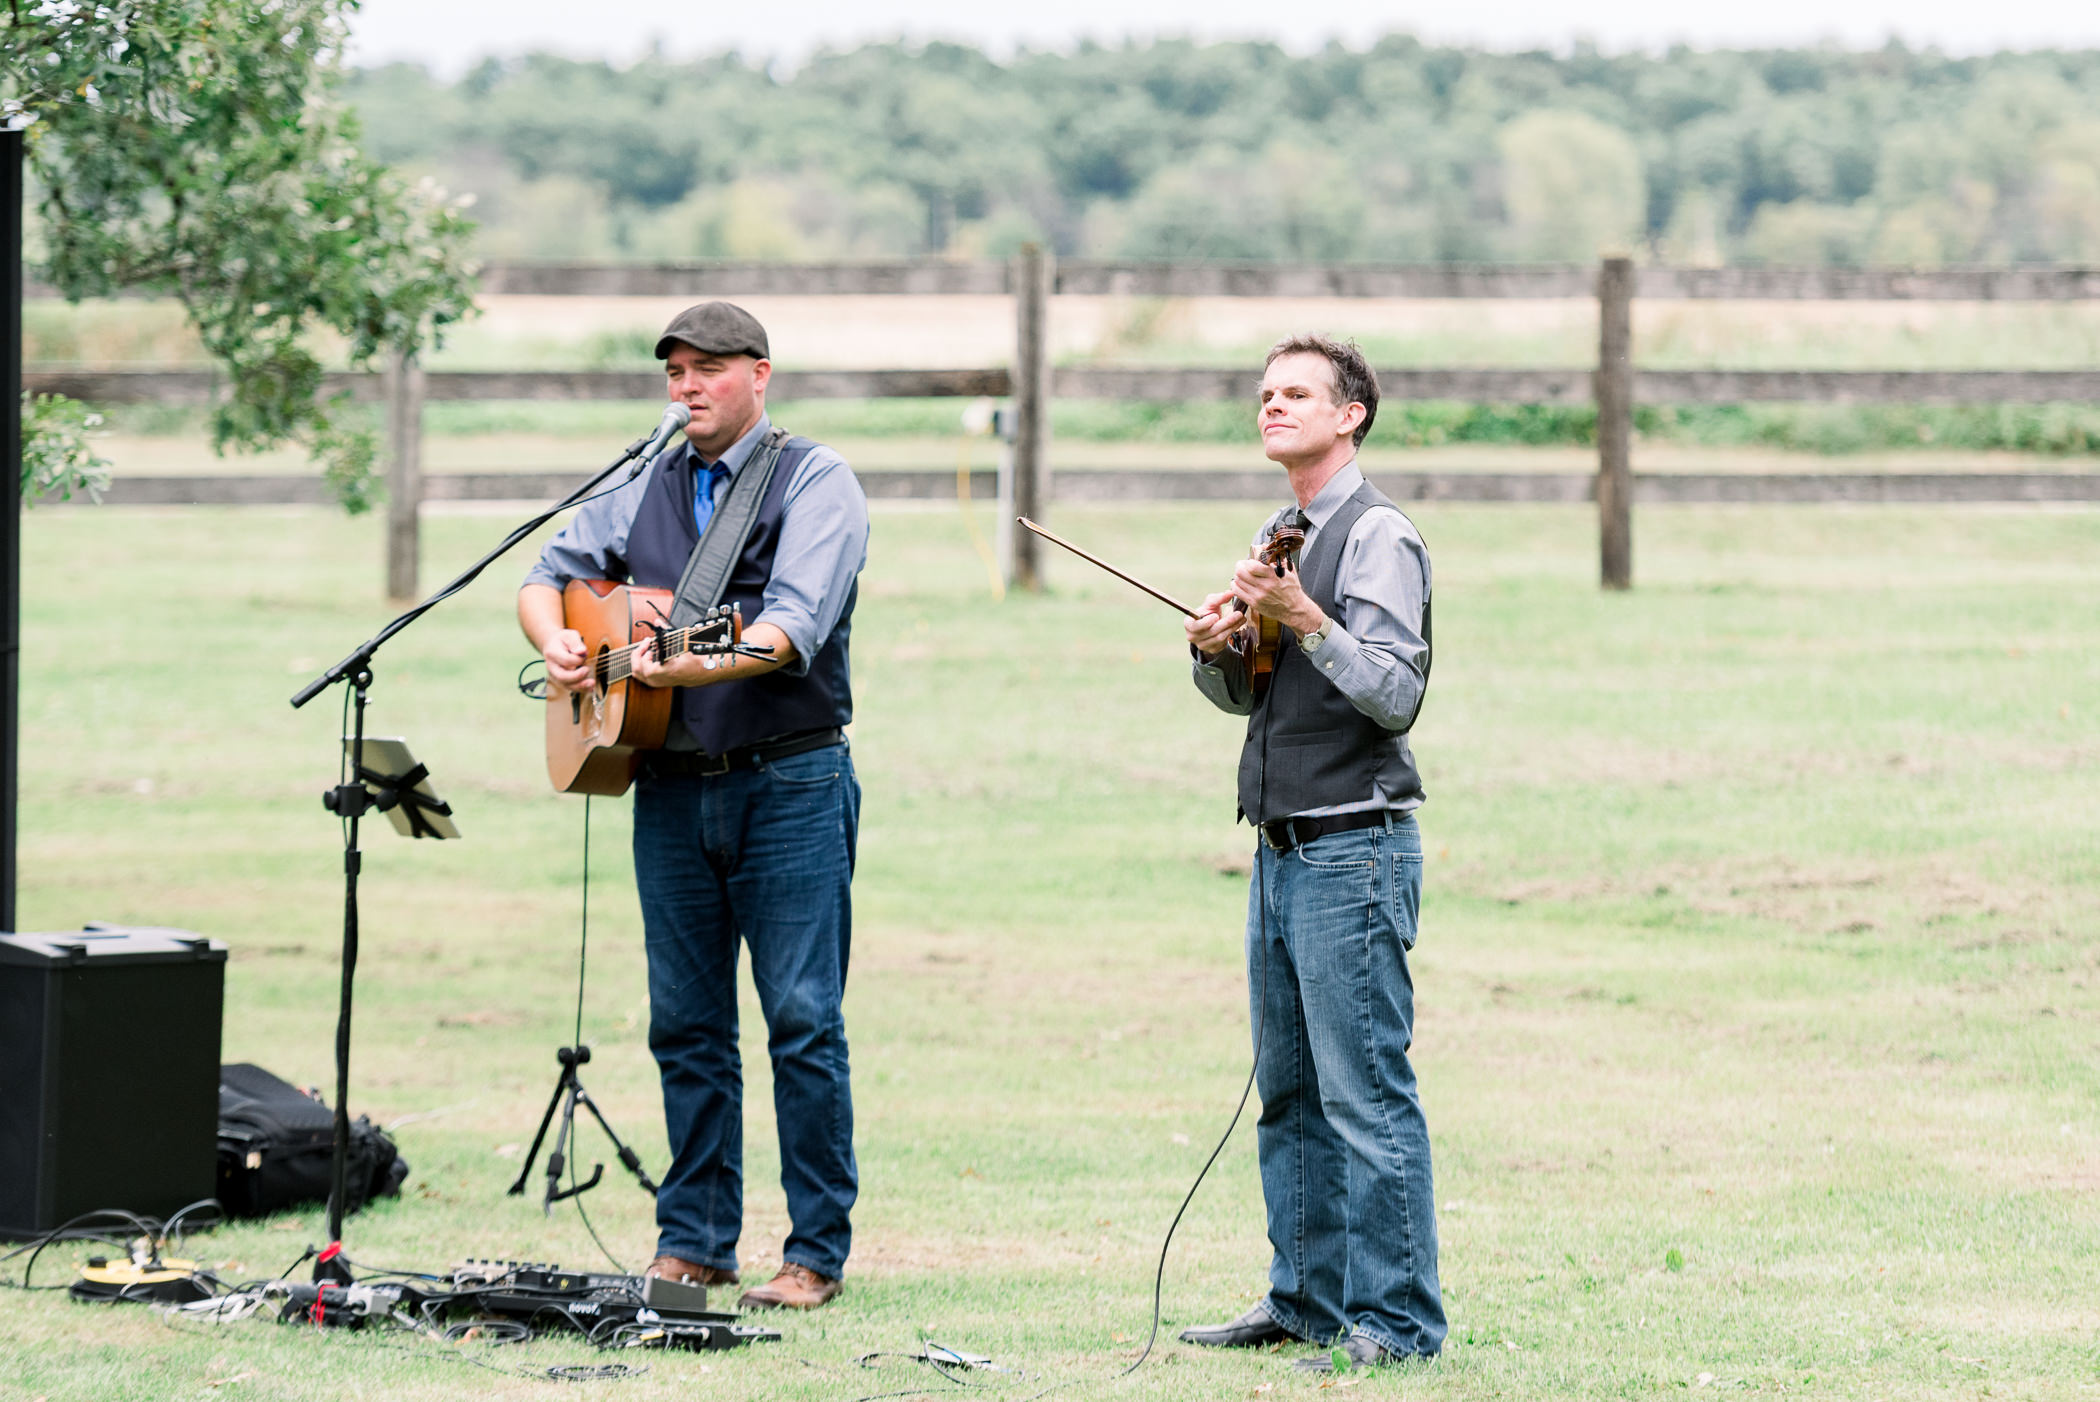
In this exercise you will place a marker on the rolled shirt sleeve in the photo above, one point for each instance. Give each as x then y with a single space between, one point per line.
823 546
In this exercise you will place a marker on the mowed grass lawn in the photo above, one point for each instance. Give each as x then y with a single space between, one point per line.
1759 1020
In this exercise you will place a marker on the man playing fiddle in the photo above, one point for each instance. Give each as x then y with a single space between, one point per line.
1327 778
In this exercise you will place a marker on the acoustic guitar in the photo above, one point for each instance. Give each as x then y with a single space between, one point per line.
596 736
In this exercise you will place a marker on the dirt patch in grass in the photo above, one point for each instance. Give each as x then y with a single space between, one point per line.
1849 896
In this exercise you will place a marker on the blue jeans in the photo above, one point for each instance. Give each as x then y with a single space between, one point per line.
765 855
1344 1146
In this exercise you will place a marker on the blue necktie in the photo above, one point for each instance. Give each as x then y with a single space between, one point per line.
704 484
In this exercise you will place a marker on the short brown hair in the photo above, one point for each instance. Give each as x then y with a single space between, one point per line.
1354 383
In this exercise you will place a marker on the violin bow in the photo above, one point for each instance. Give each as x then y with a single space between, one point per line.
1055 539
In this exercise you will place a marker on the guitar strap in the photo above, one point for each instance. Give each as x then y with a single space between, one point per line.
707 571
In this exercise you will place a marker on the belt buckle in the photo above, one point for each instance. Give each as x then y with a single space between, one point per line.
1269 830
711 765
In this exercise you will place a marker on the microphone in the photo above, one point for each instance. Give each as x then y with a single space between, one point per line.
644 451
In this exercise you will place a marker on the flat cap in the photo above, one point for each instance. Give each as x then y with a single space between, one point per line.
719 328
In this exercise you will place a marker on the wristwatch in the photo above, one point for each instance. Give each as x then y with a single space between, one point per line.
1311 641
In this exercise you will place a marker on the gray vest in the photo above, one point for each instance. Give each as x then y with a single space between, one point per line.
1307 746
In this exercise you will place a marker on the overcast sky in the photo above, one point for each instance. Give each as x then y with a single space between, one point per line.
451 34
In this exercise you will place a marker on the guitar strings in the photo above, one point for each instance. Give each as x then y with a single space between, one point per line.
617 664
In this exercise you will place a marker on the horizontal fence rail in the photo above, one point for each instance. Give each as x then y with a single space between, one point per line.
1096 278
1236 484
1163 384
1615 384
1099 278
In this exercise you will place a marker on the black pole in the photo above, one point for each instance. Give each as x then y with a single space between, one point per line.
11 533
339 1169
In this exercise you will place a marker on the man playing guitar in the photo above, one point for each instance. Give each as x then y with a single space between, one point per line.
745 822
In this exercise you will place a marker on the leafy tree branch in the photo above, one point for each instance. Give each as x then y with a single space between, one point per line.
195 149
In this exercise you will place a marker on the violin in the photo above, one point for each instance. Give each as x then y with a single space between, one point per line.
1256 647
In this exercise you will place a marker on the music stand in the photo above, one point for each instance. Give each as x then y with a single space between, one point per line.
380 776
400 787
352 800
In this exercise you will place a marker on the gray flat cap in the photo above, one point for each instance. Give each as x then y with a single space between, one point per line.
719 328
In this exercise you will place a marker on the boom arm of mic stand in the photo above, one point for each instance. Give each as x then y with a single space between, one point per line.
361 658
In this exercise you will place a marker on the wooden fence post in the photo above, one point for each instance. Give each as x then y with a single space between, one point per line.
1615 422
404 474
1034 271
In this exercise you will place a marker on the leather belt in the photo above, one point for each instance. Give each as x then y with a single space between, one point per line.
665 764
1285 833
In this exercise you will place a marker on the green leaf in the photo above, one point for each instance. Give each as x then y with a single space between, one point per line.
57 457
196 149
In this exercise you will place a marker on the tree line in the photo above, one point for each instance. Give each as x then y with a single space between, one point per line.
1402 151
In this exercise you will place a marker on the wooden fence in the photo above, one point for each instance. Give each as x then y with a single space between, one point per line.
1033 277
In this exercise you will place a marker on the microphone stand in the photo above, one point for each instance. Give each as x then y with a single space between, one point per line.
350 802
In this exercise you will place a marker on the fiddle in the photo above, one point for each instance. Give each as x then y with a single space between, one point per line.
1257 647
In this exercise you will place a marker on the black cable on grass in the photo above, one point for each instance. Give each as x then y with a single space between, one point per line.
583 945
1261 1017
77 1229
382 1271
588 1226
555 1373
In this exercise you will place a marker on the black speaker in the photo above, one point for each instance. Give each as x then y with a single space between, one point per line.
109 1073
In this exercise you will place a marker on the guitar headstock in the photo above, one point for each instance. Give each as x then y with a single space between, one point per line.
718 639
721 629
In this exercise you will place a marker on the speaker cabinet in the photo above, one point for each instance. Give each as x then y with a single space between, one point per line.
109 1073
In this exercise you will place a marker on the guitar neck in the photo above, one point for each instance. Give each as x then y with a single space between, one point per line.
617 664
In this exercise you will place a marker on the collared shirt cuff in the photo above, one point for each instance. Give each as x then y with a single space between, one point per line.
801 631
1336 655
1221 681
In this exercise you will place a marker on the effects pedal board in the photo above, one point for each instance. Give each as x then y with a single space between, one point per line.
665 1313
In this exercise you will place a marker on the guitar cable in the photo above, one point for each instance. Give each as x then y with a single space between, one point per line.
583 946
1159 1275
583 924
1261 1018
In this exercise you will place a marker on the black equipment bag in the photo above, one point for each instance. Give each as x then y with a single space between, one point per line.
277 1143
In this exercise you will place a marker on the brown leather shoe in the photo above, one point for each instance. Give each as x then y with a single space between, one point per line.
797 1287
691 1272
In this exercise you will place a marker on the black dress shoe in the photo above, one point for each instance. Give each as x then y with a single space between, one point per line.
1361 1350
1250 1330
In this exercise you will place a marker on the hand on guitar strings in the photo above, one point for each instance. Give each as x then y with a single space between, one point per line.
568 664
703 669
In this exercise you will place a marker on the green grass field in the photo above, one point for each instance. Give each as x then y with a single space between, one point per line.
1759 983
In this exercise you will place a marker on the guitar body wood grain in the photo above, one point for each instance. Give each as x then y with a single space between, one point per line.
595 738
